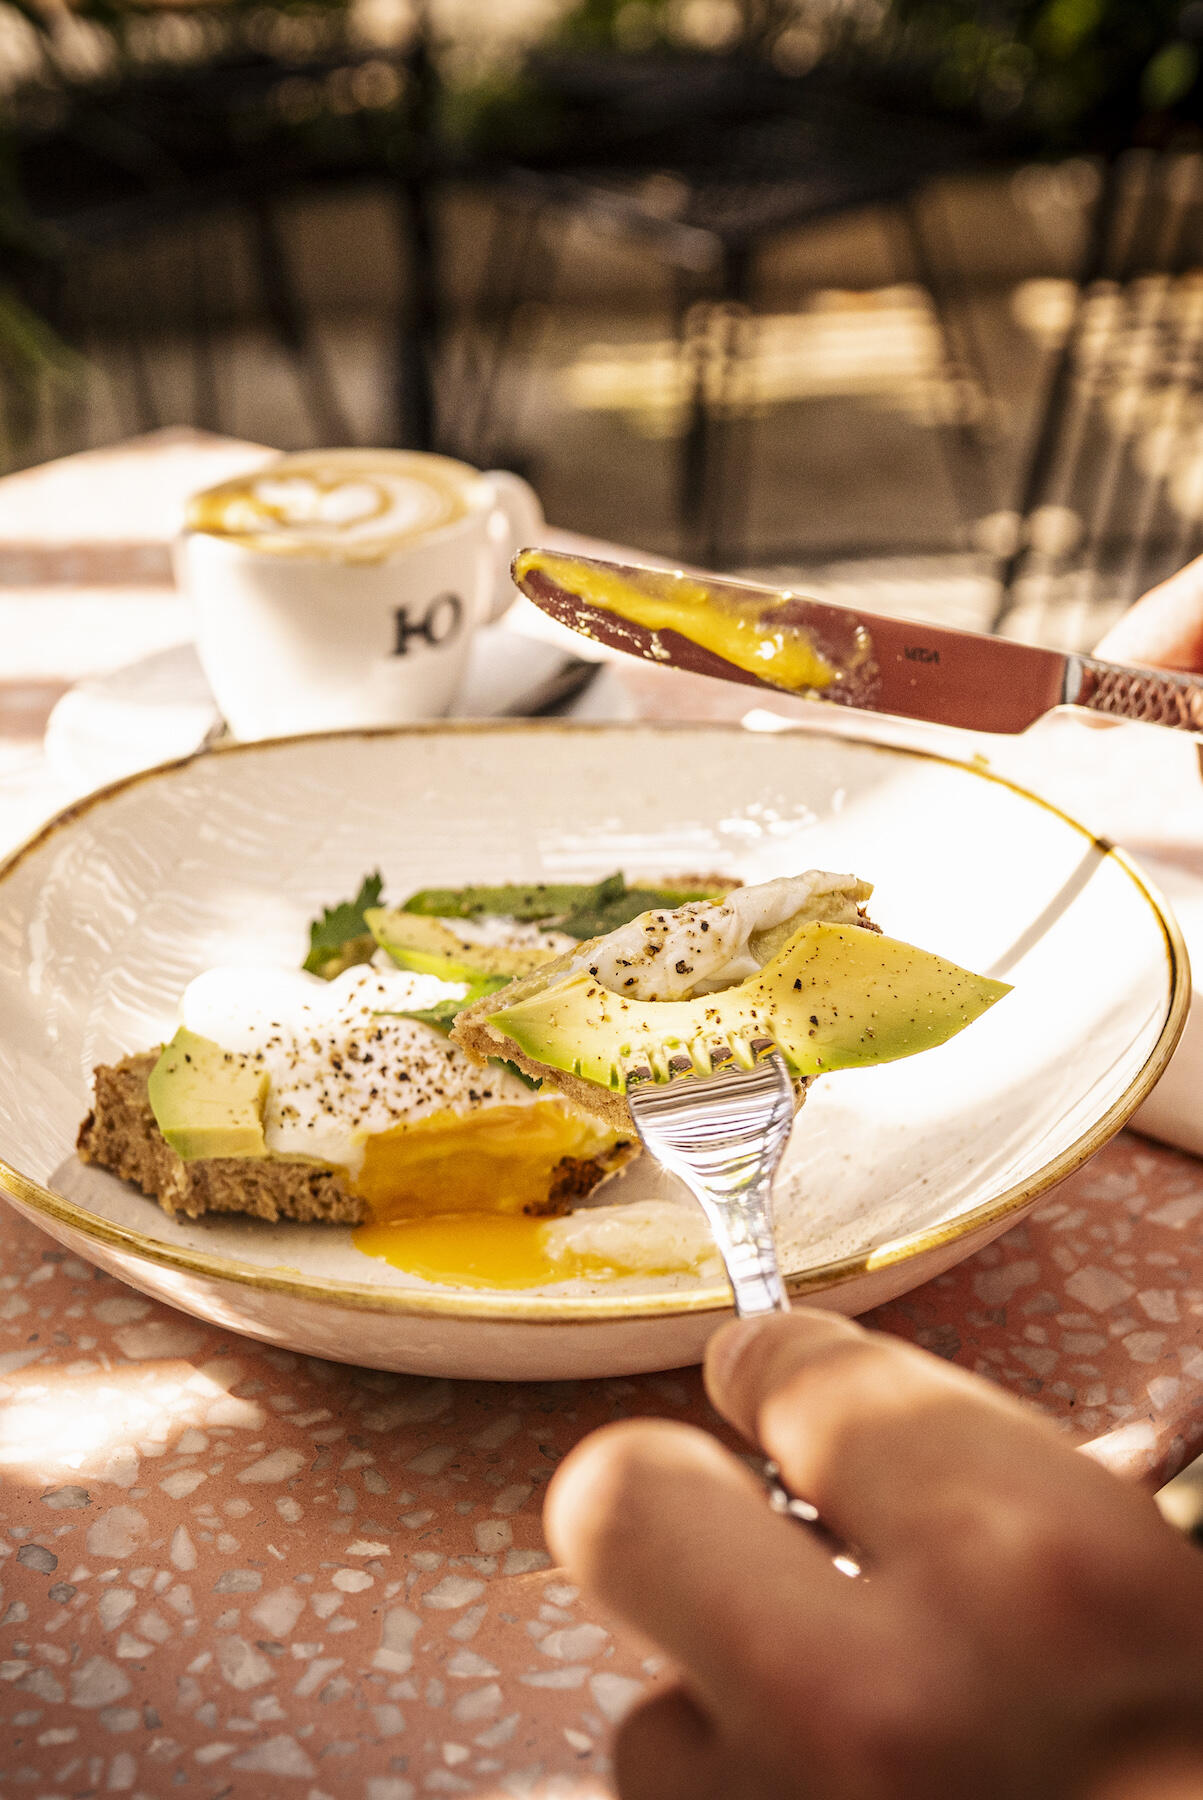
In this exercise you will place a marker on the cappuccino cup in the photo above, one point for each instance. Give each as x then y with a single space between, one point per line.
342 588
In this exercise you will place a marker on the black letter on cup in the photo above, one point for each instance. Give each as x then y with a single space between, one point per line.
438 624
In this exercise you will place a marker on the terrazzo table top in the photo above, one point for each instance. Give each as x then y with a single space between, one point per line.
227 1570
221 1562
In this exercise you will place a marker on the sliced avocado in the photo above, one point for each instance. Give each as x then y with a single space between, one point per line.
428 946
835 997
208 1101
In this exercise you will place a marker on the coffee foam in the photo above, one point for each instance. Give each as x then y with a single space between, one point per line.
348 505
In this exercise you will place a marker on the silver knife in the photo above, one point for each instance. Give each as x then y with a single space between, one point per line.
777 639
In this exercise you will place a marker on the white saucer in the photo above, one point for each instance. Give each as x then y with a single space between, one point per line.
161 707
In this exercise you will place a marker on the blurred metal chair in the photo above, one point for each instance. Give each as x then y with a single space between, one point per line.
706 164
148 150
1111 495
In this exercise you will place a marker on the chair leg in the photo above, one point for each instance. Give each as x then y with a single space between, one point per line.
966 459
287 315
206 405
1153 253
522 263
693 317
713 482
730 481
959 325
466 378
733 460
539 275
419 317
138 387
1185 542
1178 347
146 407
1042 454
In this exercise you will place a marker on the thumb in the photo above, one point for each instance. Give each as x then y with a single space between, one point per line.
1165 629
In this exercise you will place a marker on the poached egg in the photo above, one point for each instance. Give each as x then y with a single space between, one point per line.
455 1160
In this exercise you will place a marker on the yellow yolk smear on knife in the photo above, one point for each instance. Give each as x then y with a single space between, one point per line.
738 630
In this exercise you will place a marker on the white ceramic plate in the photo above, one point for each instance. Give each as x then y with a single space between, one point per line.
894 1173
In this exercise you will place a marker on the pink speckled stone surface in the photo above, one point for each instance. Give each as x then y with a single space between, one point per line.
224 1566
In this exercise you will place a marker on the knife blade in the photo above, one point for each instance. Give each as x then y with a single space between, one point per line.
775 638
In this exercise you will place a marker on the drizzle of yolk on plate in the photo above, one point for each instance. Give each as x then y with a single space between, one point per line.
477 1250
447 1195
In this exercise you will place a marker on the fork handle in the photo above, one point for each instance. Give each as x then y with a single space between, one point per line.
748 1250
750 1259
757 1287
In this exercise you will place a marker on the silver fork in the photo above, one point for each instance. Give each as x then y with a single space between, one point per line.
724 1135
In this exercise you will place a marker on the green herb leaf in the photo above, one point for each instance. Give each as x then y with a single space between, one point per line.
340 938
529 904
580 909
441 1016
611 907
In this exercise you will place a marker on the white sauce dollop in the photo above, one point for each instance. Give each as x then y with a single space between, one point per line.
640 1237
707 945
514 934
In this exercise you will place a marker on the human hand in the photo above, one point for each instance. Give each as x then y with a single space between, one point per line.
1029 1629
1165 628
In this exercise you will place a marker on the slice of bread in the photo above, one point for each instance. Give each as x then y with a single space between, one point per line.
120 1134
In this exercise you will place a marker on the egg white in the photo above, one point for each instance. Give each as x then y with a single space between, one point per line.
708 945
341 1069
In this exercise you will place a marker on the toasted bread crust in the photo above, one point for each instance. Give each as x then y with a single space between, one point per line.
120 1134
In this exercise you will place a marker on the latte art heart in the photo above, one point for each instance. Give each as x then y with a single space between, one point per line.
356 505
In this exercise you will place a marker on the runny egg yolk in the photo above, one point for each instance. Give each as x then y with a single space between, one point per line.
479 1250
497 1159
447 1196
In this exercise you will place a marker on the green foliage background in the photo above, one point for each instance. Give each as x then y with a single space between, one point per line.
1078 74
1057 76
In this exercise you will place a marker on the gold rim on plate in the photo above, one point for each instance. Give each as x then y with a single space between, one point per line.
505 1307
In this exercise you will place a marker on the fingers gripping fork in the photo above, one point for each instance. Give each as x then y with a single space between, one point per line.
724 1136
